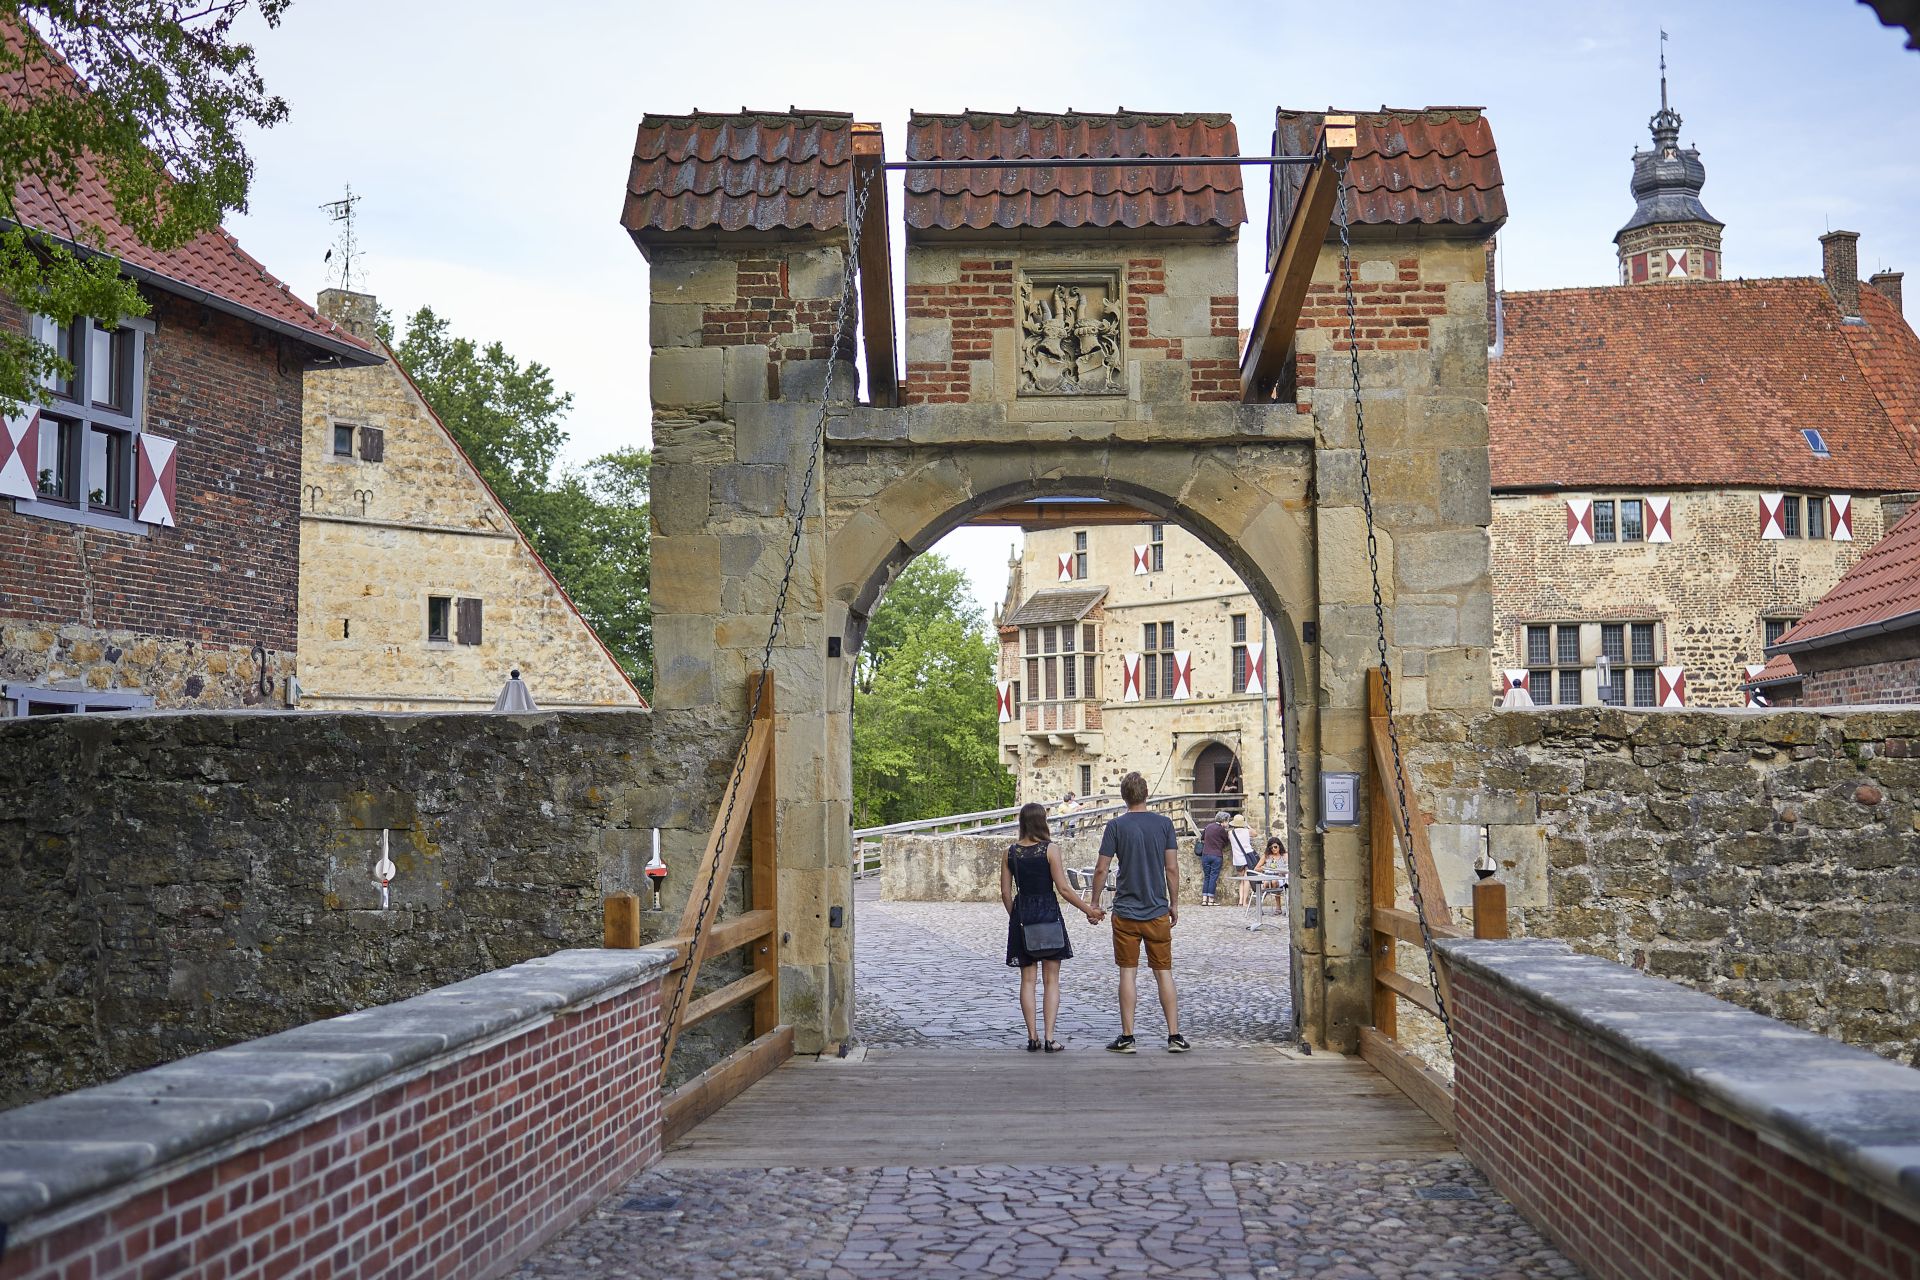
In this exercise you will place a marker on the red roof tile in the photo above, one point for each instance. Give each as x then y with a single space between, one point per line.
1882 587
211 268
1196 196
1707 383
1435 166
1778 669
750 171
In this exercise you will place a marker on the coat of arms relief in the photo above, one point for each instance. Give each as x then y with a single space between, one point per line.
1070 328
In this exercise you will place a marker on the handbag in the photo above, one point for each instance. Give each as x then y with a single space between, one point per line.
1044 936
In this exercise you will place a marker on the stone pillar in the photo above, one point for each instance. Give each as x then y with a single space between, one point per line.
742 348
1840 264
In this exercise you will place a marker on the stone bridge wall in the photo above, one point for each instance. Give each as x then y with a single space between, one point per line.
178 882
1768 858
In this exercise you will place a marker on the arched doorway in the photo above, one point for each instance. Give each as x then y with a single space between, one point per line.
1216 772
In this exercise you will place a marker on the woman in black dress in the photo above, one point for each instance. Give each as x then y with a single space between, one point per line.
1033 869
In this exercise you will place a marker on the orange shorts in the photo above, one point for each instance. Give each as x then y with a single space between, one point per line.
1129 934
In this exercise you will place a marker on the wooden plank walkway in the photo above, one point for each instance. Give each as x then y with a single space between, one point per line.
947 1108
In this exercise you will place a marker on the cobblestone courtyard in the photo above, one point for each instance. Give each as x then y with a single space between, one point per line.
931 977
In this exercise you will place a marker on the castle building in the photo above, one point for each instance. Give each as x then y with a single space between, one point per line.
1679 474
1134 647
418 592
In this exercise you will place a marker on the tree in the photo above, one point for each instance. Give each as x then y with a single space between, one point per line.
925 733
149 98
590 525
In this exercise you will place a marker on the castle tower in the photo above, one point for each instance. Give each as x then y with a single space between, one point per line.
1671 236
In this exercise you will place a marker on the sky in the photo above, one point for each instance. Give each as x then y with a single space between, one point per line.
489 140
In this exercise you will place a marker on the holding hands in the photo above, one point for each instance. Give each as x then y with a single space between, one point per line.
1095 915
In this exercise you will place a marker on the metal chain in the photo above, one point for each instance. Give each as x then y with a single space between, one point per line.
1380 612
840 336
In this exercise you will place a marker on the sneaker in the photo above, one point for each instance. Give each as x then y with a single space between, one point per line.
1121 1044
1177 1043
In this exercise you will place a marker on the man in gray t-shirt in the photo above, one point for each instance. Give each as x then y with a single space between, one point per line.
1146 906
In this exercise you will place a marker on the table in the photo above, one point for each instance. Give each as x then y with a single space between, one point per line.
1266 884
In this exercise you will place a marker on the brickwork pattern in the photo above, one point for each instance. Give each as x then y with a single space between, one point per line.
227 575
1660 1187
1394 308
1882 682
977 303
459 1172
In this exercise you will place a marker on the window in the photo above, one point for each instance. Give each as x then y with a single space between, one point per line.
1086 779
1014 703
1603 521
1157 662
1771 629
1241 667
1080 555
1816 517
439 618
27 700
1033 639
373 444
1069 678
467 620
87 433
1790 515
1157 548
1633 523
1816 442
342 441
1554 660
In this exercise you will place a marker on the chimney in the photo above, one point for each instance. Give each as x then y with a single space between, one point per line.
1840 264
1888 283
357 313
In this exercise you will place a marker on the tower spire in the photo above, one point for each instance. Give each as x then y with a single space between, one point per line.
1663 71
1671 236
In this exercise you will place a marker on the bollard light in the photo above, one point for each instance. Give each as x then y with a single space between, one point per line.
383 869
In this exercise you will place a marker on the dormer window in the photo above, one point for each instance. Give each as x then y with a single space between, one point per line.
1816 442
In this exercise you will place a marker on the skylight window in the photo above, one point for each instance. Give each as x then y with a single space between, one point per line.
1816 442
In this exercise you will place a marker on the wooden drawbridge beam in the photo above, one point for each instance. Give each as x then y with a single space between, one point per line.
1276 323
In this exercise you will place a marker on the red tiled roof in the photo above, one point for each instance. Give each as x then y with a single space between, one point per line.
748 171
1435 166
1882 588
211 268
1889 356
1779 669
1708 383
1196 196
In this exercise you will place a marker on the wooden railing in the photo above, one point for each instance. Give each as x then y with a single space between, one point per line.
702 934
1392 924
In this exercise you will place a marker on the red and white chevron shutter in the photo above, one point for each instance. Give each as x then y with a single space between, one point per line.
1182 673
1659 519
1841 505
1580 522
1129 677
1511 679
1754 697
1773 526
153 479
20 455
1256 667
1066 566
1140 559
1676 264
1670 686
1006 701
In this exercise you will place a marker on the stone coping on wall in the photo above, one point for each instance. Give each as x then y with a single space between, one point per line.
72 1155
1839 1108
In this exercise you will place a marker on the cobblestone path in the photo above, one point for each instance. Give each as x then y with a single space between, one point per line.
934 974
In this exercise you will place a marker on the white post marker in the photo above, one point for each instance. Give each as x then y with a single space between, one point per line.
383 869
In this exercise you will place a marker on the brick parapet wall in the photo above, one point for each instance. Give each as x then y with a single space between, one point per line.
1897 681
1765 857
1636 1123
449 1134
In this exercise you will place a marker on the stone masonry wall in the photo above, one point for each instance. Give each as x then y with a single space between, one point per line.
178 882
1768 858
1711 588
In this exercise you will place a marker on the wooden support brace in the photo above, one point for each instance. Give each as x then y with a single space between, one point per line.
1489 909
876 267
622 917
721 1083
1411 1076
1276 321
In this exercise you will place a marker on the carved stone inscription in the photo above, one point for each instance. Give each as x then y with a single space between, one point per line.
1070 333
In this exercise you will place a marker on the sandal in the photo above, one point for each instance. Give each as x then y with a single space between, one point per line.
1054 1046
1033 1046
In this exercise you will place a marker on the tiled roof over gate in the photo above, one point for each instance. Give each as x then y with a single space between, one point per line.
1433 166
1883 586
1055 604
1198 196
742 171
1709 383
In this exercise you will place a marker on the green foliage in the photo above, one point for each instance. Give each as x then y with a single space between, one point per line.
925 729
163 95
590 525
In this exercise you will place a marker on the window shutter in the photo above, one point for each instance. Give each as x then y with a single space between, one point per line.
1659 519
1773 526
467 616
1512 679
1006 701
1130 677
1580 522
20 455
1066 566
1672 687
1182 674
373 444
1842 522
1140 554
1256 664
153 491
1754 697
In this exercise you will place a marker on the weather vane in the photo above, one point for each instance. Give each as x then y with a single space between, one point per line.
341 211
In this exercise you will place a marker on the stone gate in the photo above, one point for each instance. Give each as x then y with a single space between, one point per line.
1071 332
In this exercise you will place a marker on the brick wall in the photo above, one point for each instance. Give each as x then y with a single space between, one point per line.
979 301
454 1161
1394 308
1895 680
1633 1123
223 579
